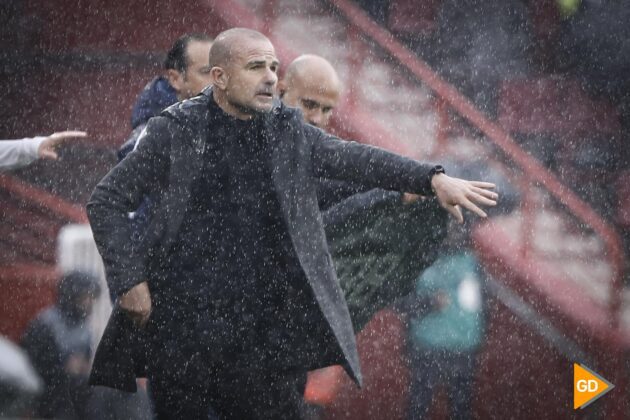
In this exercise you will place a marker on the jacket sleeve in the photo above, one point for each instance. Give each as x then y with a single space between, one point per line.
18 153
143 172
371 166
331 191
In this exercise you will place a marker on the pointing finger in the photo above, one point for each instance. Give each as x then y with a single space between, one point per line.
67 134
60 137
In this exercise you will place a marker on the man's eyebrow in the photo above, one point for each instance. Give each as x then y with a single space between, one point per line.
255 62
262 62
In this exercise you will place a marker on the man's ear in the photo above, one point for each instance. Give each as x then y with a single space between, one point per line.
175 79
219 77
282 88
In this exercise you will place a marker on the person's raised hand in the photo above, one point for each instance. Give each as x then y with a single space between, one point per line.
47 148
136 302
454 193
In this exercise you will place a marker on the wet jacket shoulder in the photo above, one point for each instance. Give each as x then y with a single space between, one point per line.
189 111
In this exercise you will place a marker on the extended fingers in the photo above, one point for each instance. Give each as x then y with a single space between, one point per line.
480 199
453 193
485 193
473 207
61 136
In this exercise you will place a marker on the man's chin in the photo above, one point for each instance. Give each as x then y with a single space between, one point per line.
263 107
255 109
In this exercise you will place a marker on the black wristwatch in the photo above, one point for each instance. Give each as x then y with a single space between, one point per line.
437 169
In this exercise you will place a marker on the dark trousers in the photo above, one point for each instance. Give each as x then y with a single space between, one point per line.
189 383
432 369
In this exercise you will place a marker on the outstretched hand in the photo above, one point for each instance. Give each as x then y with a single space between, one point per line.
454 193
47 148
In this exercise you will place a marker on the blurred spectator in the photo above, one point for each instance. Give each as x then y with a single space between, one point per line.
593 45
18 153
377 9
58 343
478 43
19 383
446 317
187 73
445 330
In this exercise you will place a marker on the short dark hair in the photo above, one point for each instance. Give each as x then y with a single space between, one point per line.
75 284
176 58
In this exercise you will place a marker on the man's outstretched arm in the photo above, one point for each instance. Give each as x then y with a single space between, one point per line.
19 153
378 168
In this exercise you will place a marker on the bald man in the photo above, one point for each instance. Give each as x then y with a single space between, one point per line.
312 85
233 289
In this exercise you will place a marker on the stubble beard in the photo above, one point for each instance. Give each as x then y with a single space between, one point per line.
250 110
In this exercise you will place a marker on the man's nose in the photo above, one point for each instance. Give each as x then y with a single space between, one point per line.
271 78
